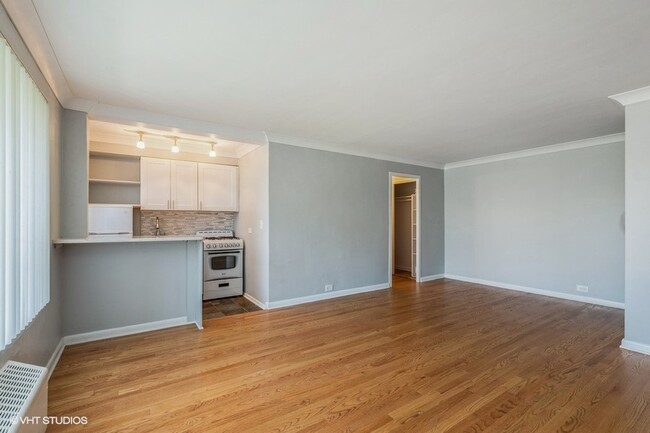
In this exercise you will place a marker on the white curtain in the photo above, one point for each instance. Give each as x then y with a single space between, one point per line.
24 198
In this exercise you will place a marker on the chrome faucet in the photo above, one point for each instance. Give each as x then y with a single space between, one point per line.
157 227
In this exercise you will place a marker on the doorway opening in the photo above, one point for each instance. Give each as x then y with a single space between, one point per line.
404 236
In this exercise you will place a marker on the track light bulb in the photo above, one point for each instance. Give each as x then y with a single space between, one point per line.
212 153
140 143
175 148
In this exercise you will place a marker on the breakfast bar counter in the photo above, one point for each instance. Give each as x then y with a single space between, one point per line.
115 286
125 239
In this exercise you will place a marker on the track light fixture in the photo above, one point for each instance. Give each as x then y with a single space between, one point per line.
174 149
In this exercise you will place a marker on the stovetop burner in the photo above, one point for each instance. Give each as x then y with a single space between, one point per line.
221 238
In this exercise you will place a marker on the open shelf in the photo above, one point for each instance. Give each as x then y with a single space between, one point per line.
115 181
96 154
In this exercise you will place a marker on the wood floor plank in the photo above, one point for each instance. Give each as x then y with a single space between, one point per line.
443 356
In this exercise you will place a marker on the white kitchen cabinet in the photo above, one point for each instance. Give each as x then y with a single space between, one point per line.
218 188
155 183
184 185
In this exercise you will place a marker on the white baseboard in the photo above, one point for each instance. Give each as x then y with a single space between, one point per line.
403 268
326 295
54 359
124 330
635 347
585 299
431 278
255 301
110 333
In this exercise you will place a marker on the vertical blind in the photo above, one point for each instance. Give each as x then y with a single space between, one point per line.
24 197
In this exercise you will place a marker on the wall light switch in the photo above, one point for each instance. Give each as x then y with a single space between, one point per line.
250 230
261 225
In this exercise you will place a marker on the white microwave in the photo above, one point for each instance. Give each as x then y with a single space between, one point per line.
110 220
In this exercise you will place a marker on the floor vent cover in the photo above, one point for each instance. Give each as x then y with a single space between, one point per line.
19 384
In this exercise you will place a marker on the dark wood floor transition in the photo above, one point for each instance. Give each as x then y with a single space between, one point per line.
216 308
443 356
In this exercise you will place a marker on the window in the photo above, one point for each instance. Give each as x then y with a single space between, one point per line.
24 198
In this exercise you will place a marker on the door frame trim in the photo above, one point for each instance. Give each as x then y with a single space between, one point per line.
391 224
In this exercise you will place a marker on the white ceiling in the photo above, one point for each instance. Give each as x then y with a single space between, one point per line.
432 81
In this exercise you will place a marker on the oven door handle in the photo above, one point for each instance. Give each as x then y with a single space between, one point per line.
214 253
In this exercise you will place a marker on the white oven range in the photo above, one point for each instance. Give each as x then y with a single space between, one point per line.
223 264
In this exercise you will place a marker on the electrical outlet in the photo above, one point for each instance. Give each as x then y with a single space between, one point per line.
583 289
328 287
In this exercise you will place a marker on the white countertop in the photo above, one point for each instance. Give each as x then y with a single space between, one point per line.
125 239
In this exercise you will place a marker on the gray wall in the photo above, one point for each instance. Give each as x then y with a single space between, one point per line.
329 220
36 344
637 224
112 285
253 208
74 175
546 222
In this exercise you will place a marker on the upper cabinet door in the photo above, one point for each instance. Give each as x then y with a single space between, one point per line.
218 187
155 183
184 185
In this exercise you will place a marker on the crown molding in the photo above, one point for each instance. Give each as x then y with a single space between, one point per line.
79 104
245 149
571 145
25 18
317 145
632 97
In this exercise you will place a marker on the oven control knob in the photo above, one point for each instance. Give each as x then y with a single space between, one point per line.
208 246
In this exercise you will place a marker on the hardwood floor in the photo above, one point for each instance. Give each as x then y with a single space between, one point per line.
443 356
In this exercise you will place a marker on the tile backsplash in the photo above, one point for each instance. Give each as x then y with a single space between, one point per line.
184 223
